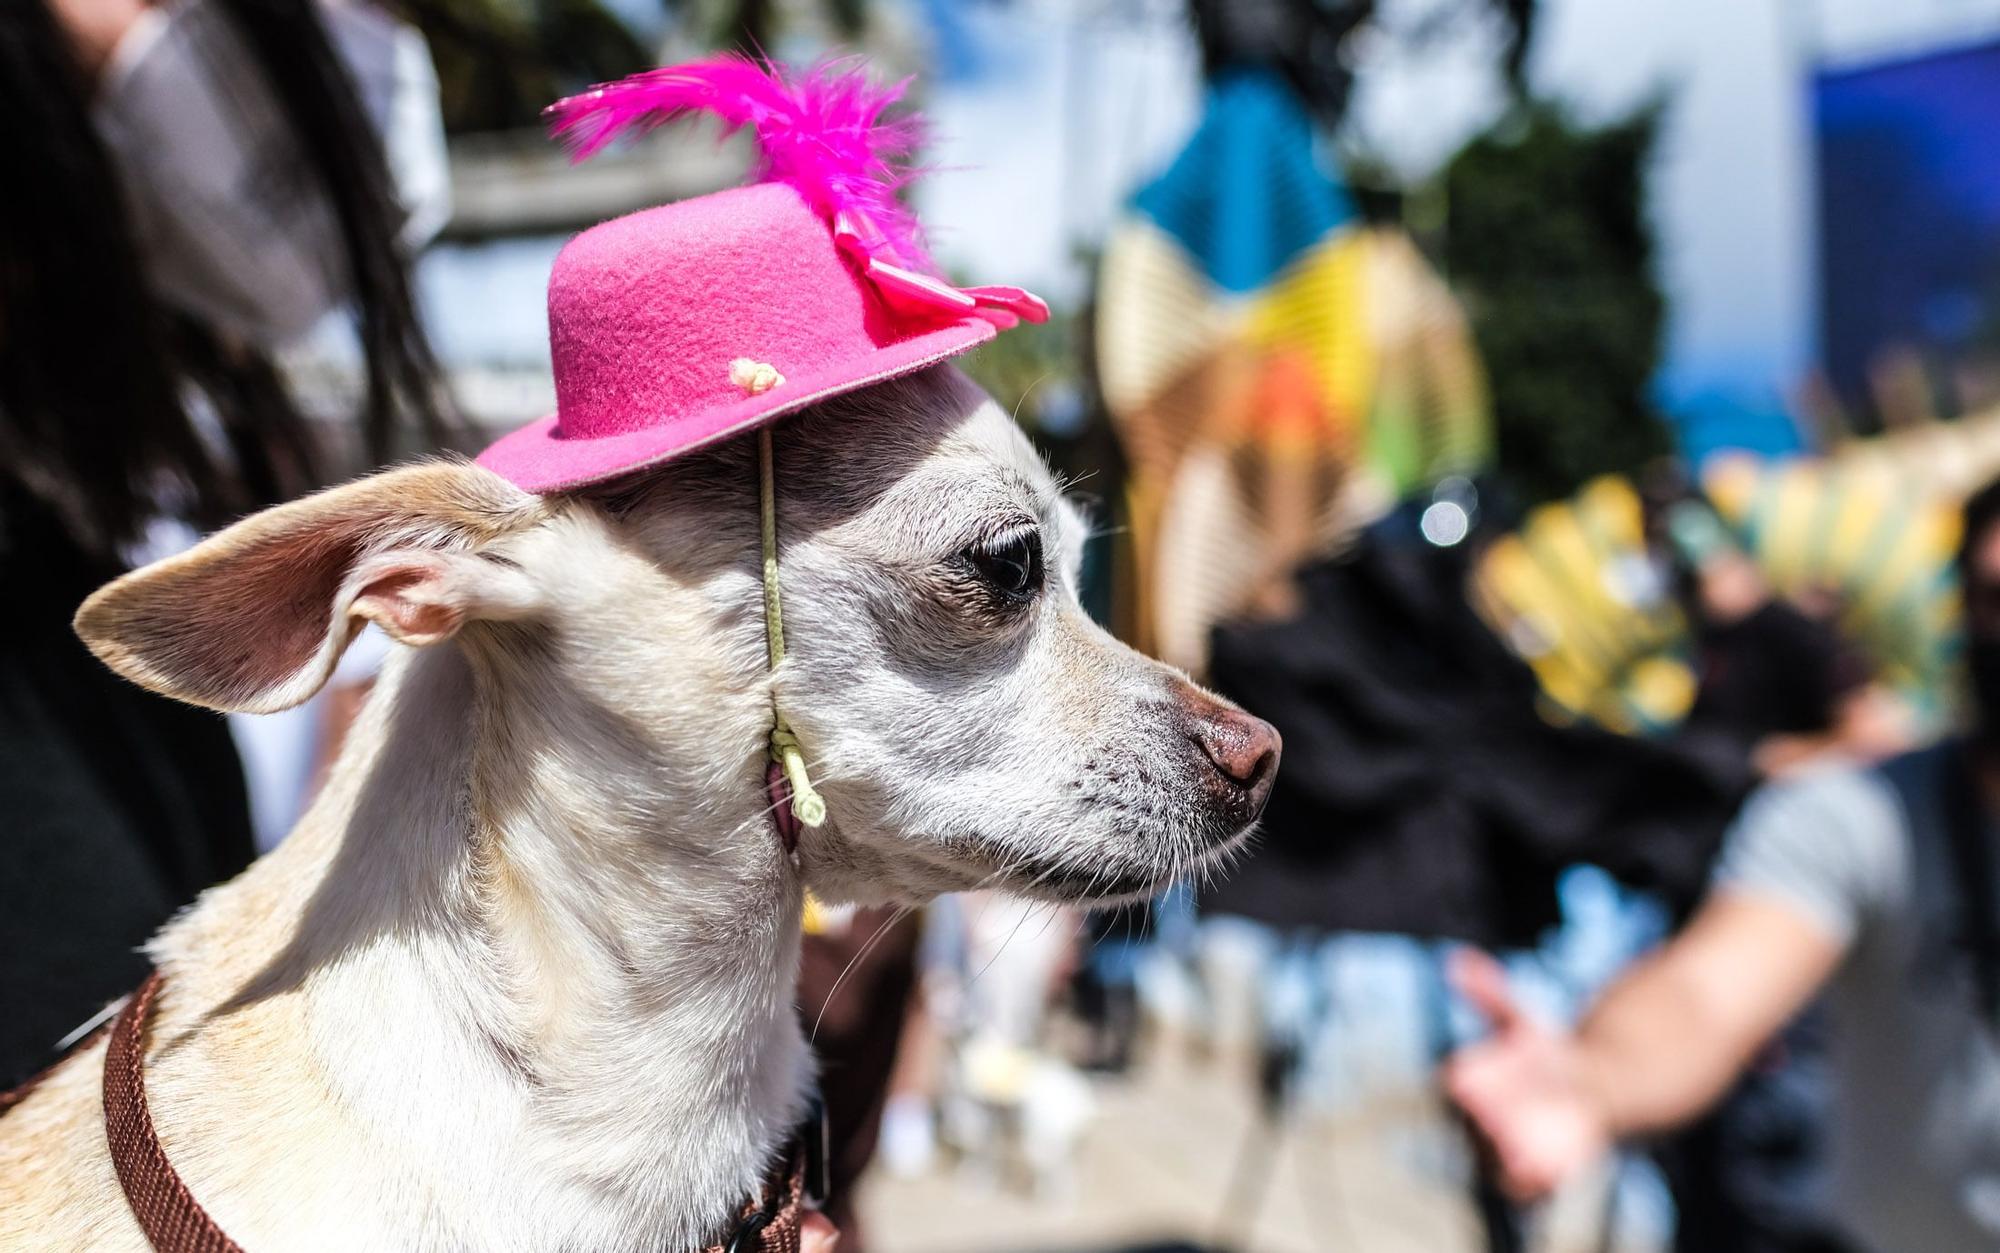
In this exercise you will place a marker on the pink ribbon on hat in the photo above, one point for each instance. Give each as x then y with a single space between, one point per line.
916 294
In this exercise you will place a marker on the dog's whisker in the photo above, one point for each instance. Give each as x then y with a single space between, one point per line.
861 955
1004 945
1049 911
1029 390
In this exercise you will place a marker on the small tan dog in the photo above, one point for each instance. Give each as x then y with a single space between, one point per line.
522 978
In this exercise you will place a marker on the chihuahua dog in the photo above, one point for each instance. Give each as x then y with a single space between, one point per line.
523 976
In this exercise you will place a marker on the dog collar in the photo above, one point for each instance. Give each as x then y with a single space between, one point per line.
174 1222
795 803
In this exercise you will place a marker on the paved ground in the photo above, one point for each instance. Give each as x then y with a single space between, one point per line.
1154 1174
1155 1171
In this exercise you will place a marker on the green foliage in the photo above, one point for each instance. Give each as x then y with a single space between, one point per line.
1549 245
500 61
753 26
1016 368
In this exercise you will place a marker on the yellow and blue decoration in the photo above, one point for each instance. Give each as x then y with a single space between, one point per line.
1278 371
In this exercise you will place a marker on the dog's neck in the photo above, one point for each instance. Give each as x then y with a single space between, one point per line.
545 969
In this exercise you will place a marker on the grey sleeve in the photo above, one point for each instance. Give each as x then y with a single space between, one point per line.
1829 845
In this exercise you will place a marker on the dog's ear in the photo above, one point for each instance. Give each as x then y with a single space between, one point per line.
253 618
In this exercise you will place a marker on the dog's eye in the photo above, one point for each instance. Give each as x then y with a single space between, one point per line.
1010 564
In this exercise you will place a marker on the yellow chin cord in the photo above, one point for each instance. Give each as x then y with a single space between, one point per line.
807 806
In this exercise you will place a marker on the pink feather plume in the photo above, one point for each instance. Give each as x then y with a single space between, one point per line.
821 131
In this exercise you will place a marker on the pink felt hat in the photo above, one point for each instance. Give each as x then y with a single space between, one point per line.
676 327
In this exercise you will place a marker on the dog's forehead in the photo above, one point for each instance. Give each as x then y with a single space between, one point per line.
915 463
982 462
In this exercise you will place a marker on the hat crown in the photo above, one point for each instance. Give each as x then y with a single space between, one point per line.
648 313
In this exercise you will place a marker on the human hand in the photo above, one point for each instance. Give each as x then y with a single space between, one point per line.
1524 1088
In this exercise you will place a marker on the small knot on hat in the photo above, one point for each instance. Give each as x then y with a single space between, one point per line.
754 377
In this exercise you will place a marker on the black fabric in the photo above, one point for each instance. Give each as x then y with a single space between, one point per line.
1751 1175
1972 860
1420 792
1943 781
116 806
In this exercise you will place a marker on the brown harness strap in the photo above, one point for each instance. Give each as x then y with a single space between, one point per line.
168 1213
174 1222
774 1226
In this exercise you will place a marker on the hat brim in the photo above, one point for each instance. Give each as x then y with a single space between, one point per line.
538 458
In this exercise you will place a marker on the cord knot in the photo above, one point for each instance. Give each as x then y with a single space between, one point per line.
807 804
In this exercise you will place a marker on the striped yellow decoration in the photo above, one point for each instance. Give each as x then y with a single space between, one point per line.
1264 426
1873 526
1569 591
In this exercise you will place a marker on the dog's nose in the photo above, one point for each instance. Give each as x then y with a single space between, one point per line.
1242 747
1244 751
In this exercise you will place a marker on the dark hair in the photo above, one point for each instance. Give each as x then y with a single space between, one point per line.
1980 515
1302 39
320 101
96 374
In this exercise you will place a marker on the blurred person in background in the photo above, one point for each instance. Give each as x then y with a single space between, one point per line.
192 184
1876 884
1779 685
1776 681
